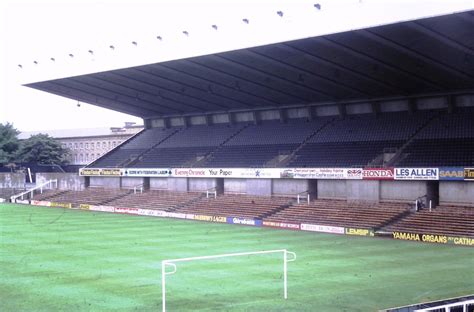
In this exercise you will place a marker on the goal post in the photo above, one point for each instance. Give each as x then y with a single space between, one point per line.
172 263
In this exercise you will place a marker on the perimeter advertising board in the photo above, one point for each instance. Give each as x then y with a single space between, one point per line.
152 212
359 232
244 221
102 208
126 210
434 238
284 225
210 218
60 205
40 203
322 228
21 201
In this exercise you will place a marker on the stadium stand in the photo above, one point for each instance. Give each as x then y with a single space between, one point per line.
244 109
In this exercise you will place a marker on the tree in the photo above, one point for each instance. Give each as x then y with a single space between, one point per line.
9 143
42 149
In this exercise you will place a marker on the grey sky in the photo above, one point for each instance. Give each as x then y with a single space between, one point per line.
41 30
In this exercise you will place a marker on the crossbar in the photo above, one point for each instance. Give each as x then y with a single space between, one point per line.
171 262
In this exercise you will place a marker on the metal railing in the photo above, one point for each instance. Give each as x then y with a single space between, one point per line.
464 305
422 202
137 188
38 187
302 195
211 191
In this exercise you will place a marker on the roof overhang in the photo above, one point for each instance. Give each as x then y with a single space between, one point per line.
398 59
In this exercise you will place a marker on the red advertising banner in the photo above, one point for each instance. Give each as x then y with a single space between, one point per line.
378 174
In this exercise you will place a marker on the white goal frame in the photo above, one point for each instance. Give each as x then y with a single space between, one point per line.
171 262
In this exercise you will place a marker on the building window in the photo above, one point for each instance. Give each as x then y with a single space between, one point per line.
81 158
114 144
87 145
75 145
70 145
104 145
97 145
81 145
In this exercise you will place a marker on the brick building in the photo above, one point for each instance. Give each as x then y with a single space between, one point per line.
86 145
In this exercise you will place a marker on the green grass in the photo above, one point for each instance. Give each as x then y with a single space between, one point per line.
55 259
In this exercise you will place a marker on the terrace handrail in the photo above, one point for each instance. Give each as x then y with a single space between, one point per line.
300 195
38 187
138 187
419 202
211 191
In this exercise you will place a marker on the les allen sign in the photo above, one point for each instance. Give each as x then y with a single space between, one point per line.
416 173
378 174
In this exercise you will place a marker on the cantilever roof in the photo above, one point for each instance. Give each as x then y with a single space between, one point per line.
427 56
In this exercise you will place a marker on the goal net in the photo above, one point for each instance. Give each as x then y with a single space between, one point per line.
169 267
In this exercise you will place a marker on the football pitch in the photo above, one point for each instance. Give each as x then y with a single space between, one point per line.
54 259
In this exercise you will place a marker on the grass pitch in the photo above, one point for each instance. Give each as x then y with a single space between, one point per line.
55 259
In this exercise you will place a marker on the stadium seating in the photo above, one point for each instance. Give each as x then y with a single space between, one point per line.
358 139
340 213
447 141
91 196
439 152
6 193
156 199
133 148
187 146
244 206
427 138
340 154
258 144
443 220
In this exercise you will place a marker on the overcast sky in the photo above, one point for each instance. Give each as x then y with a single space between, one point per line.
41 30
